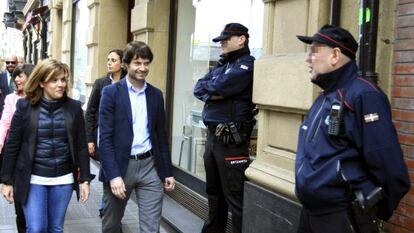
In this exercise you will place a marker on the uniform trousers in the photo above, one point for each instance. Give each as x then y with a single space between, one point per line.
338 222
224 166
141 177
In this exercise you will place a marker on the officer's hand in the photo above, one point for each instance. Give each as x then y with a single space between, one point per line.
7 191
118 187
169 184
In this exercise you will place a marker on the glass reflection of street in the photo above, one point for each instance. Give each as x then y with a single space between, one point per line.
196 27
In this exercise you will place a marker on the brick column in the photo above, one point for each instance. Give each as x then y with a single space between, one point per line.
403 107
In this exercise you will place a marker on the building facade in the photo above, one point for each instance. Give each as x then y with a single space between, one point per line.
81 32
10 36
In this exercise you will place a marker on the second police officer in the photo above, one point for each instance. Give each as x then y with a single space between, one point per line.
349 164
227 93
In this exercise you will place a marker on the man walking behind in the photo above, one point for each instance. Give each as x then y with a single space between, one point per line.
7 85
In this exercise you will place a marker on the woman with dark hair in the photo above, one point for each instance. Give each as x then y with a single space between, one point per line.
46 156
19 76
115 73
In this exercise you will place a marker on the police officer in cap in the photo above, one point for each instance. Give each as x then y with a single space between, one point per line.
350 170
227 93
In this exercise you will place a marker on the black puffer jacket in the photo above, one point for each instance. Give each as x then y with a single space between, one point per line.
52 158
20 149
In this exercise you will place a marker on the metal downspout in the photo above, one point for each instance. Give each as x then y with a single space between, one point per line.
335 12
368 33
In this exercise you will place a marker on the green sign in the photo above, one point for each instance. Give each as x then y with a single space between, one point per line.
367 15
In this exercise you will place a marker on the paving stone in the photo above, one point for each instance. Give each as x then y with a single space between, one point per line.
80 218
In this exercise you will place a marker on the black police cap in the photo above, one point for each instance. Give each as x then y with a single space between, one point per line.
334 36
232 29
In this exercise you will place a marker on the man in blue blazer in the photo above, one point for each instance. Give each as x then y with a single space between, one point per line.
6 82
133 144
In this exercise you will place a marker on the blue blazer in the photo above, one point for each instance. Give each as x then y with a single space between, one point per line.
4 89
116 134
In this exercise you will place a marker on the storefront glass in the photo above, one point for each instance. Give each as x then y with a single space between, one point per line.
80 50
198 21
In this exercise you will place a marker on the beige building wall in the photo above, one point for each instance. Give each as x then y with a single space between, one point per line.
108 30
387 10
149 23
108 22
66 31
55 29
282 89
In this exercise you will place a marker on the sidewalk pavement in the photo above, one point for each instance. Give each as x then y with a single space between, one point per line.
81 218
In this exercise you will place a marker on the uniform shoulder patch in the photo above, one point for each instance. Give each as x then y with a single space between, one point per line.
371 117
244 67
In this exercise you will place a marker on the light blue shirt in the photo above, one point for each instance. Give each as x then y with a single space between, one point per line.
141 142
8 78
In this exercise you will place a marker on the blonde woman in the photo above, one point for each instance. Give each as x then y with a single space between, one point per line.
46 156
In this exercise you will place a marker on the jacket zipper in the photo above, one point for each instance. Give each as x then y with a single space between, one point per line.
313 122
317 129
300 168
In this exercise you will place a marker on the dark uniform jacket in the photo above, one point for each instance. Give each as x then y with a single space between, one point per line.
231 78
367 147
22 142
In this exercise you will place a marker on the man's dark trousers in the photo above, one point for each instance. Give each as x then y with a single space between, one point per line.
225 166
338 222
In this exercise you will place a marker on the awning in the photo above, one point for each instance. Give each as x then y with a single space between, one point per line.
33 16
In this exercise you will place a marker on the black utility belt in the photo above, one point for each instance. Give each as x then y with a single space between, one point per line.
243 125
141 156
232 132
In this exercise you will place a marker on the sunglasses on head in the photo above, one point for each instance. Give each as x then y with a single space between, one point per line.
10 62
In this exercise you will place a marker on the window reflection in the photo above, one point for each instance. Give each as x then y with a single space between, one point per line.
198 21
80 52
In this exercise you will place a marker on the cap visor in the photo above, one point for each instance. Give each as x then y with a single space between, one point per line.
220 38
306 39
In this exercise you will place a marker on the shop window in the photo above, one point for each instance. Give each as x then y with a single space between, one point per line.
79 49
30 53
198 21
45 35
25 45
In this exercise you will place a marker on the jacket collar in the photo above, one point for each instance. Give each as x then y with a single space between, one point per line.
234 55
332 80
52 105
124 95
